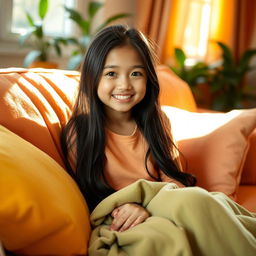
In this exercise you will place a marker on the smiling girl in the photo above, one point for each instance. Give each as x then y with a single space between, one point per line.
118 134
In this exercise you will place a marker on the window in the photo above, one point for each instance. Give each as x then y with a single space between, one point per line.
195 26
55 22
13 21
196 30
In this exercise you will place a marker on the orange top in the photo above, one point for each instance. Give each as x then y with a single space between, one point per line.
126 160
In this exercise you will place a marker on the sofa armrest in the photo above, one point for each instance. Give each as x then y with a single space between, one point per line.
249 173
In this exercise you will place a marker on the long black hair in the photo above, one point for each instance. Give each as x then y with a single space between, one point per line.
87 121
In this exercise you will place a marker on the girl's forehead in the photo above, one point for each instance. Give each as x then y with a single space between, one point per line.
125 53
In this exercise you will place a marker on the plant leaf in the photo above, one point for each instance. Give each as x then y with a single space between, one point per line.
57 49
175 70
39 31
245 60
228 60
75 16
23 38
43 8
85 41
30 57
180 57
85 26
75 61
30 20
219 103
112 18
93 8
72 40
61 40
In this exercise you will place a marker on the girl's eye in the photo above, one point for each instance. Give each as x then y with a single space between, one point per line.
111 73
136 73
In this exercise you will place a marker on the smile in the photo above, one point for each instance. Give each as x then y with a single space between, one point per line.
121 97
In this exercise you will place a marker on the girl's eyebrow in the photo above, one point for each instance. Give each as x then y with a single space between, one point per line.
115 66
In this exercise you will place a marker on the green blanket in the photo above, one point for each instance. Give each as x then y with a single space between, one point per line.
184 221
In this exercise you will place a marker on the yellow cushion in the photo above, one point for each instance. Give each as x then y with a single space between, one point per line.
215 145
42 210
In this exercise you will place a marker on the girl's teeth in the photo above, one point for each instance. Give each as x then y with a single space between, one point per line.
122 97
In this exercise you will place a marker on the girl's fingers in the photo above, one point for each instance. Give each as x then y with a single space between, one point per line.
119 220
137 221
127 216
114 212
129 222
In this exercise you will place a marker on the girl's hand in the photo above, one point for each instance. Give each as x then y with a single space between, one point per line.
127 216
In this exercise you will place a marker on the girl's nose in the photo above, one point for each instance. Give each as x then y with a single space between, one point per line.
124 83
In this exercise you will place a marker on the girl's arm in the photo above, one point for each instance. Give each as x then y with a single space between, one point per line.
127 216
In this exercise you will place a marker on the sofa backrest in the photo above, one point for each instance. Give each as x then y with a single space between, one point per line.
174 91
36 103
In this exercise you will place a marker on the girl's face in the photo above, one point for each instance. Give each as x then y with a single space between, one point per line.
123 81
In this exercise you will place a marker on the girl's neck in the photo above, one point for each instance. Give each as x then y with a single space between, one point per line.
123 125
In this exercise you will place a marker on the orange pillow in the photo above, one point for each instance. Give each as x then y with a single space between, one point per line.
173 90
42 211
36 103
214 144
249 173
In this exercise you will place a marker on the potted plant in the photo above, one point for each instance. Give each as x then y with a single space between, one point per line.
40 43
196 76
227 80
220 85
85 26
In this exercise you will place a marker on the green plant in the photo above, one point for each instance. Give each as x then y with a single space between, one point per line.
227 80
224 78
85 25
38 41
193 75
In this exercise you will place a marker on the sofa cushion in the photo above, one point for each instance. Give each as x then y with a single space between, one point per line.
249 173
42 211
246 196
173 90
36 104
214 145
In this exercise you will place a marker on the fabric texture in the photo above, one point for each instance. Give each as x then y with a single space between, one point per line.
125 160
42 211
36 104
214 145
246 197
180 221
152 19
174 91
249 173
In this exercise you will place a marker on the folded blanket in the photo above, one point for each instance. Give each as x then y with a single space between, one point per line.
184 221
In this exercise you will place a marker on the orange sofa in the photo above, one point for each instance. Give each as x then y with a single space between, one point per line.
42 210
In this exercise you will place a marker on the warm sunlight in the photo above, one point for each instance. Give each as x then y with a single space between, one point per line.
196 30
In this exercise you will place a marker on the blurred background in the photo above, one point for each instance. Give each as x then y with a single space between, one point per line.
210 44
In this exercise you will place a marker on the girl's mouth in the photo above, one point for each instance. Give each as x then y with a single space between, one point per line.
121 97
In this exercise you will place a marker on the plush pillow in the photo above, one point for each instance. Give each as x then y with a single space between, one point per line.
214 145
42 211
173 90
36 103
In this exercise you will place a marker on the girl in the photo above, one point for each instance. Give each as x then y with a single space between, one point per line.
117 134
